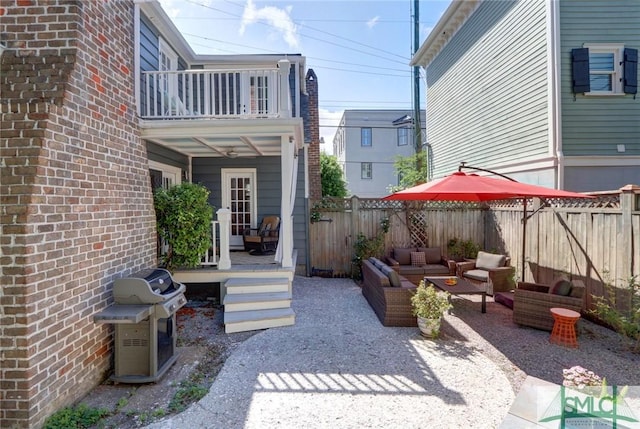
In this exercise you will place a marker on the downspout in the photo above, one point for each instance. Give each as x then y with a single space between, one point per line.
554 89
136 55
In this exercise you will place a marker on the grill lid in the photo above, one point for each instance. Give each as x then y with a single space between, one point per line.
146 287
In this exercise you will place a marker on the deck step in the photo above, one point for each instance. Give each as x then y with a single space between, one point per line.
241 321
256 285
256 301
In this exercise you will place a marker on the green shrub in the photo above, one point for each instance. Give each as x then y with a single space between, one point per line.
79 417
626 320
365 247
188 392
183 217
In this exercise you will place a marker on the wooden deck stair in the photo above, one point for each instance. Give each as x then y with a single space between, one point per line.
257 303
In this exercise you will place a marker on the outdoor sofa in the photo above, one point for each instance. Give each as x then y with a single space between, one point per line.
388 293
415 263
532 302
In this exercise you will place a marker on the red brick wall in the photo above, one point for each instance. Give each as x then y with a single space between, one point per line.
76 206
315 183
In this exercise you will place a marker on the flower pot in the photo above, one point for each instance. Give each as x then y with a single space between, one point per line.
429 328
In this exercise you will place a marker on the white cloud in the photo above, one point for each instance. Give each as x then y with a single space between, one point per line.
279 19
329 121
372 22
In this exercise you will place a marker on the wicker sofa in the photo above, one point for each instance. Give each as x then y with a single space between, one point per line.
434 264
489 269
392 304
532 302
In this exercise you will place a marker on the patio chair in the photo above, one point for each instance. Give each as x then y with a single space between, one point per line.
264 239
488 269
532 301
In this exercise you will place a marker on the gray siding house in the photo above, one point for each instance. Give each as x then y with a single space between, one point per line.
366 144
507 90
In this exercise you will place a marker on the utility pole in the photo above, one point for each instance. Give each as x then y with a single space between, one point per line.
417 121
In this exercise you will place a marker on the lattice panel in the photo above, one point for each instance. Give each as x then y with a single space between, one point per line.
418 228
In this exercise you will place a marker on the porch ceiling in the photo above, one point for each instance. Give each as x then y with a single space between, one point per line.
223 138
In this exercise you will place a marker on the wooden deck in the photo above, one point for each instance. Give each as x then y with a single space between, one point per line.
243 265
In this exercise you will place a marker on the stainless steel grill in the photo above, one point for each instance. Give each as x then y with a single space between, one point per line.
144 315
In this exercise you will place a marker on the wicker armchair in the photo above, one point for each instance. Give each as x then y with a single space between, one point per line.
264 239
532 302
488 269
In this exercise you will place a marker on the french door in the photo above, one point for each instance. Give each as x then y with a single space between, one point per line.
239 195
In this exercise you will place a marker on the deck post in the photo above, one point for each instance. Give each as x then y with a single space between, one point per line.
224 217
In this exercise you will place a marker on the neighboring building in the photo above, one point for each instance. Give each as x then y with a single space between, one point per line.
366 145
543 91
101 101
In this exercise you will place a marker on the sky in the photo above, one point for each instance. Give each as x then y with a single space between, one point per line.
359 50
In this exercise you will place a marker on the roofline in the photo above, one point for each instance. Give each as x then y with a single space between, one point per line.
453 18
154 11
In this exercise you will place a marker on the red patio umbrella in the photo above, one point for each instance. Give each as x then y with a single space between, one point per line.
460 186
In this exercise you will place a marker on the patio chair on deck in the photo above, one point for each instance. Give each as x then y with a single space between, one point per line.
264 239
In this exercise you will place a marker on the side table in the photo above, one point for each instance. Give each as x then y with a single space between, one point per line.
564 327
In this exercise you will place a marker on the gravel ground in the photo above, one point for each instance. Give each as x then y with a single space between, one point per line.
339 367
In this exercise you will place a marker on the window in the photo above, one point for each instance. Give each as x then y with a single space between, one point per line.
366 170
605 68
365 137
403 136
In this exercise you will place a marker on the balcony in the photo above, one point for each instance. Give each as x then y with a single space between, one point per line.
216 94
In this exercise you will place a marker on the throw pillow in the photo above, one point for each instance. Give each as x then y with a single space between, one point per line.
561 287
403 256
394 279
431 254
418 259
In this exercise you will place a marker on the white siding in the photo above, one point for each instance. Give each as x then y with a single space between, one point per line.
487 89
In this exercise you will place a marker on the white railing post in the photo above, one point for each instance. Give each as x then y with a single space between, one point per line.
224 217
284 100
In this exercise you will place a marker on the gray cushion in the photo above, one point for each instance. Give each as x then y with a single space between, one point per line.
403 256
386 270
436 269
489 261
561 287
394 279
432 254
480 275
410 269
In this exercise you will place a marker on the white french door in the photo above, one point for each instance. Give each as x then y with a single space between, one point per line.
239 195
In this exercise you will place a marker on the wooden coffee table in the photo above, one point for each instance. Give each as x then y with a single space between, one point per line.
462 287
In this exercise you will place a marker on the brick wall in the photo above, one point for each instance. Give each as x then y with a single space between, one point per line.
315 183
76 206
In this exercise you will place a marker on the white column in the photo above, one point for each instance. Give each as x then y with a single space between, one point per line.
286 224
224 217
285 99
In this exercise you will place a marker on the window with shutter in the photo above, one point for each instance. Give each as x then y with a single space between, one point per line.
580 70
604 68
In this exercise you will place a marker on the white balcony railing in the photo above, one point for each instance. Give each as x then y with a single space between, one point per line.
251 93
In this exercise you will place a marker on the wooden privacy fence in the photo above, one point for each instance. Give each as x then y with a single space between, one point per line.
595 240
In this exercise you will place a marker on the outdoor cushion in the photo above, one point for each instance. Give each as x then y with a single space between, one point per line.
406 270
432 254
377 263
489 261
561 287
480 275
436 269
394 278
418 259
403 256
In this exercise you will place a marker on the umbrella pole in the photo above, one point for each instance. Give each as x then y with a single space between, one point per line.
524 236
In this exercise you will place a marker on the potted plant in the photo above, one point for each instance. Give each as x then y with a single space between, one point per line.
459 250
429 305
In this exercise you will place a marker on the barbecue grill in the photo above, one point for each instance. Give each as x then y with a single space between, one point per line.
144 315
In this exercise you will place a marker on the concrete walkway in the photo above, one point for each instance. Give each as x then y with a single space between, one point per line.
338 367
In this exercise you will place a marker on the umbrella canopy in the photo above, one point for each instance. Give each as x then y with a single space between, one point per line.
460 186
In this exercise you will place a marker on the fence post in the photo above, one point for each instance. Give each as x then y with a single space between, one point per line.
627 206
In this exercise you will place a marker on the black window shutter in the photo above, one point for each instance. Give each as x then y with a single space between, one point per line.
630 73
580 70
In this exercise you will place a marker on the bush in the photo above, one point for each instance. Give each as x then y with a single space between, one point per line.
625 321
183 217
79 417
